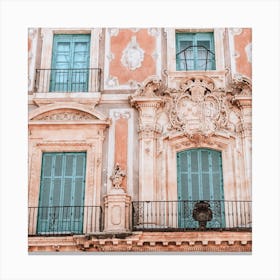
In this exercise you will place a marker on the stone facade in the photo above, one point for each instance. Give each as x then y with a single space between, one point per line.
132 121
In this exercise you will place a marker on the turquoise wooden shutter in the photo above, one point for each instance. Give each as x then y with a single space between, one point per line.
61 202
196 58
200 177
70 63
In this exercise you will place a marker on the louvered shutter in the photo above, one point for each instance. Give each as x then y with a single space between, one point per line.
62 190
200 178
70 63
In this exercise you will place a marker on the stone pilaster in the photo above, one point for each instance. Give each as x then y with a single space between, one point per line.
243 99
147 101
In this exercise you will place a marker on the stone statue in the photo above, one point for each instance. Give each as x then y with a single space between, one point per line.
117 176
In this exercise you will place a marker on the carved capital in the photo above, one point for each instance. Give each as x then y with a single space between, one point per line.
241 85
149 131
151 87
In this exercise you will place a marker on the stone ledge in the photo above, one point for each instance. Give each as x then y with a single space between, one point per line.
145 242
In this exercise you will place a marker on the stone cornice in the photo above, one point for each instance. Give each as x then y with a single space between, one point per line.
148 241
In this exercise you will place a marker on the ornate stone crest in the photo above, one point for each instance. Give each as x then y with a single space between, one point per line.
133 55
194 109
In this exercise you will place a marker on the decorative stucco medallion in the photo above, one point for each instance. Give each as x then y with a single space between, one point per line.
112 82
133 55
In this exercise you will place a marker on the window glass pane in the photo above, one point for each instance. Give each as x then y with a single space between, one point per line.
70 52
196 58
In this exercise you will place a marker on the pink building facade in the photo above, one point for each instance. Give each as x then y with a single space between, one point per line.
140 139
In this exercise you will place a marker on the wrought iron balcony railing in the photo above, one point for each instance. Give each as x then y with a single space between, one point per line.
64 220
178 215
68 80
195 58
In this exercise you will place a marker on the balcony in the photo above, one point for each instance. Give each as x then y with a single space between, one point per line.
146 216
68 80
195 58
178 215
64 220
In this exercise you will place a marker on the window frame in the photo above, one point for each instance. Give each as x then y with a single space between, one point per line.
171 49
69 72
47 35
194 37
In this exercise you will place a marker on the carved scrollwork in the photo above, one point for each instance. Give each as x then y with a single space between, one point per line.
197 86
151 87
70 115
195 109
241 86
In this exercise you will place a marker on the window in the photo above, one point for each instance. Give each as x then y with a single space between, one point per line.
195 51
62 189
70 63
200 177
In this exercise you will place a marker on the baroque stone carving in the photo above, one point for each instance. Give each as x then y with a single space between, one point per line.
133 55
117 176
65 116
241 85
194 109
151 87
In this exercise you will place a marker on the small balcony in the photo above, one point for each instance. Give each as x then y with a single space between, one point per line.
178 215
195 58
68 80
64 220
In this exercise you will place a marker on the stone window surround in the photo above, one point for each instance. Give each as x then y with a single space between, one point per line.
171 48
231 185
47 44
93 171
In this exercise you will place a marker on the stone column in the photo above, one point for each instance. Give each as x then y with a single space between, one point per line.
243 99
147 100
117 205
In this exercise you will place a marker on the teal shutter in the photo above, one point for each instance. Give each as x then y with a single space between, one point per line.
70 62
200 177
61 201
195 56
